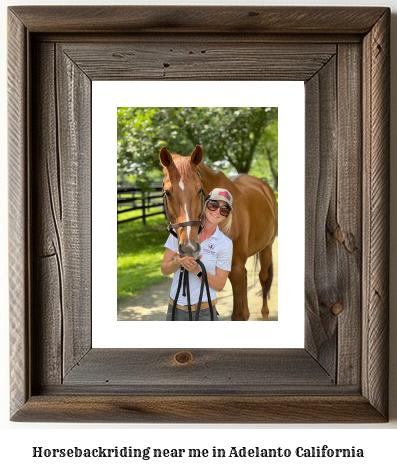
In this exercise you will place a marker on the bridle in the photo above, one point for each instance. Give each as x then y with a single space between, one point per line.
184 274
171 226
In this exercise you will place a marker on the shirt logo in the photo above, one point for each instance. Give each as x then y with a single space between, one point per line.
211 246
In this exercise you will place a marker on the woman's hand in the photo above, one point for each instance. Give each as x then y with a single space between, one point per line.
188 263
172 262
179 259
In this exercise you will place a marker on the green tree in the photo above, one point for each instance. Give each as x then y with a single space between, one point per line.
230 137
265 161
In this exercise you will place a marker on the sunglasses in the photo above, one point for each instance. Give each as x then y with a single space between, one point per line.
213 205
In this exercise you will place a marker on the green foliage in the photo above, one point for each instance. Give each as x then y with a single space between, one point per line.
265 161
140 250
233 139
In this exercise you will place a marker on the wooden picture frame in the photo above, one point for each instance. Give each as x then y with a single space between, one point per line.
342 54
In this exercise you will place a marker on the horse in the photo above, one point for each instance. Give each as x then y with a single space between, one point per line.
254 224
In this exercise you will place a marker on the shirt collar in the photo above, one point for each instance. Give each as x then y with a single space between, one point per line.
217 232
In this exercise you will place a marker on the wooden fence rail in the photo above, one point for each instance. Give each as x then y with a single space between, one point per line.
134 199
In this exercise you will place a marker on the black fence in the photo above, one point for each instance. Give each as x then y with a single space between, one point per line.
132 198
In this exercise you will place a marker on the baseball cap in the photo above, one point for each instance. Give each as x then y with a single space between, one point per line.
223 195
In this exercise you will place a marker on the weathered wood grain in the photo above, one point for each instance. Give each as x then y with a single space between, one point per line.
199 409
47 324
244 37
211 368
199 19
227 59
62 205
347 226
376 142
73 90
19 223
337 377
321 279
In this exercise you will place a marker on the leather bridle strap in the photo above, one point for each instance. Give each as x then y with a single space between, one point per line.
171 226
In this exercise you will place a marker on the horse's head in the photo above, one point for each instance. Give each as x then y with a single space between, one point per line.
184 196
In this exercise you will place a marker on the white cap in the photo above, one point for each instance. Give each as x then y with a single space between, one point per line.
223 195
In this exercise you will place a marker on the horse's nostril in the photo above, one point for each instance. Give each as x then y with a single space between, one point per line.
185 249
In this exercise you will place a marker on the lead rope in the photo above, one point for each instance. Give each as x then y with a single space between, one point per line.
204 281
184 282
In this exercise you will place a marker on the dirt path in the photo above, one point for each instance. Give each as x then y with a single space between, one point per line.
151 305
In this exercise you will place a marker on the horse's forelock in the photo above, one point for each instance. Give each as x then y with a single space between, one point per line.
182 166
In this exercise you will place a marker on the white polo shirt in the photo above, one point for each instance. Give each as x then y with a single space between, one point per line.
217 251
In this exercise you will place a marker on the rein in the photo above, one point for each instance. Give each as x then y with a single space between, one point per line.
184 274
184 281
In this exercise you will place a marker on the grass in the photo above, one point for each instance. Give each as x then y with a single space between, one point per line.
140 250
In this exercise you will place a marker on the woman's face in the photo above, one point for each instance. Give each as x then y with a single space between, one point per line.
215 217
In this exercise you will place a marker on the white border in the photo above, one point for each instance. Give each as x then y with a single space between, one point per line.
288 331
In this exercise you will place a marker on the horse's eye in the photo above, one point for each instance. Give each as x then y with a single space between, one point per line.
167 192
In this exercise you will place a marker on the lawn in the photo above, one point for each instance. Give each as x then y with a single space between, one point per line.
140 250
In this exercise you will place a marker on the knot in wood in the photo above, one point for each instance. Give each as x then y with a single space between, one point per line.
338 235
183 358
337 308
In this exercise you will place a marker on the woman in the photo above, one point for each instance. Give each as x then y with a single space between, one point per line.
215 253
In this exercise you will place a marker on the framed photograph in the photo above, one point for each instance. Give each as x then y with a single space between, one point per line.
340 373
221 101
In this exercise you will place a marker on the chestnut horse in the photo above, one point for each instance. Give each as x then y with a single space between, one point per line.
254 223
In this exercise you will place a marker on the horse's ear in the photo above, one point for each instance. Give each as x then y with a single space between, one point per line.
197 155
165 157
